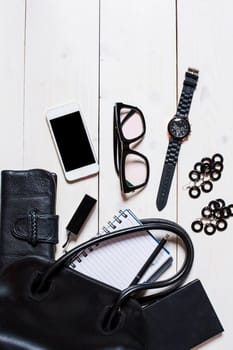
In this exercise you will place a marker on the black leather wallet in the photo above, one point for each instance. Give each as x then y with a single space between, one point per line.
29 225
182 320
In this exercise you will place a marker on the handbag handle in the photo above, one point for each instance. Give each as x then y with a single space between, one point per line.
171 283
147 224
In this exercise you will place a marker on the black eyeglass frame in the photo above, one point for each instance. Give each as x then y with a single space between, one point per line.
121 146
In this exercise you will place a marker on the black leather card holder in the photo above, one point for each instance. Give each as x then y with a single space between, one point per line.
181 320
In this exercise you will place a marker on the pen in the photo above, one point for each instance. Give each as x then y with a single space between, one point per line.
148 262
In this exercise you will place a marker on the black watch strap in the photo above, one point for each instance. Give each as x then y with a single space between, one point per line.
189 85
168 172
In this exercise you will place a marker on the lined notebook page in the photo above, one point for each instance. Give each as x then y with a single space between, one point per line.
117 261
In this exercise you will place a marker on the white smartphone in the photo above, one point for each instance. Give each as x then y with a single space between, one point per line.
72 142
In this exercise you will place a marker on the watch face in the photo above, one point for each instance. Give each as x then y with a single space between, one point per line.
179 127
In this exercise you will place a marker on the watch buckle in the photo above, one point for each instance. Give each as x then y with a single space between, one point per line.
193 71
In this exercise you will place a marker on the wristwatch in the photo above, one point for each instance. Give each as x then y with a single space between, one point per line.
178 130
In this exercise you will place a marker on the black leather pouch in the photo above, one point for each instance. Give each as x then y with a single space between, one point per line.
182 320
29 225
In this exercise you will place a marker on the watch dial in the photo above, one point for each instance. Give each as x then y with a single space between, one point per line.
179 127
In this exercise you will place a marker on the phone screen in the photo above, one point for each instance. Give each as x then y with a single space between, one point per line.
72 141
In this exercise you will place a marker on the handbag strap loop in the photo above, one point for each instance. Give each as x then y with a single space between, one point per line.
147 224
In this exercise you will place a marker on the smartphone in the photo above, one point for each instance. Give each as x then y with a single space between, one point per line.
72 142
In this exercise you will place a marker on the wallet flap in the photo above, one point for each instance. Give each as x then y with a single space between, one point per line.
35 228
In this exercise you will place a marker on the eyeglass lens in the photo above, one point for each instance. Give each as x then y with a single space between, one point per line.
135 169
131 123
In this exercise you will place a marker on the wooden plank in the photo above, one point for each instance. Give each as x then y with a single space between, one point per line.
138 67
205 42
61 67
12 18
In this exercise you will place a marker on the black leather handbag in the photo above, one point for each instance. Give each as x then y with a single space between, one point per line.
49 306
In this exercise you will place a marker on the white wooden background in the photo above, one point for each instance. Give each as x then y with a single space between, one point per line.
98 52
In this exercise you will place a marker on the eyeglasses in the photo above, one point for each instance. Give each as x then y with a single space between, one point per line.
129 128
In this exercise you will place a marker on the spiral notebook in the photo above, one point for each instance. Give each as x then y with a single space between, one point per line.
116 262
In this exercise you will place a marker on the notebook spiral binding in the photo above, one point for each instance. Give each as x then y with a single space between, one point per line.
110 227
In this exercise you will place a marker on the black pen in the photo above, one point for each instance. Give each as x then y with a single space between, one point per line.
148 262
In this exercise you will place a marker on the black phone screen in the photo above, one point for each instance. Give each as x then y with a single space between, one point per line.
72 141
